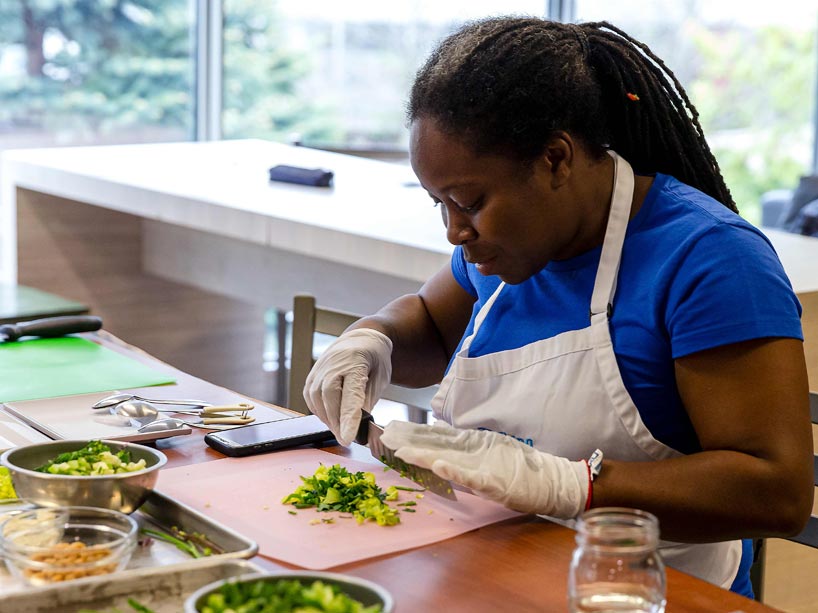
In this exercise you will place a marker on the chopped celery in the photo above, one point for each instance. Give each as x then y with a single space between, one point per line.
95 458
334 488
6 488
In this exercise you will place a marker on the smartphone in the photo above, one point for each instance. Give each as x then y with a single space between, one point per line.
269 436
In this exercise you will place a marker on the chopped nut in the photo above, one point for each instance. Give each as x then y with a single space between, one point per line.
67 557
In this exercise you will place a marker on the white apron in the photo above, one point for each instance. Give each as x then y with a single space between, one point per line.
564 395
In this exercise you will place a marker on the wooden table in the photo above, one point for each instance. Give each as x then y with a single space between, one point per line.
516 565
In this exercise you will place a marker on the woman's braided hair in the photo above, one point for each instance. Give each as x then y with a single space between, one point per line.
507 84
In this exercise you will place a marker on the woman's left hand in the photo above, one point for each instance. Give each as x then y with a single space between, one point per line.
494 466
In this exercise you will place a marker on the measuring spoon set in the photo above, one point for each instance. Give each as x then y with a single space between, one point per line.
142 414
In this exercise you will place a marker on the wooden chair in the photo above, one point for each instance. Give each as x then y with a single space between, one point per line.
309 319
808 536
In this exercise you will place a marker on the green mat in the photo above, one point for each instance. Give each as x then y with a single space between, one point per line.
46 367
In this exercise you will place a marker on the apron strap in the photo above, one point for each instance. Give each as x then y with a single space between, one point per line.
605 283
481 315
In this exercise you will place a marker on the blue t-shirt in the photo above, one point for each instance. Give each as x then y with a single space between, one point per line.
694 275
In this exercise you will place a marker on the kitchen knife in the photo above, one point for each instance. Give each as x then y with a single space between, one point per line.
50 327
369 434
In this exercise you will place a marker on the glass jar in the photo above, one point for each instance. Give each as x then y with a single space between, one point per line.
615 566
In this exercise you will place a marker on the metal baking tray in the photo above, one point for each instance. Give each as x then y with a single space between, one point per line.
162 590
159 512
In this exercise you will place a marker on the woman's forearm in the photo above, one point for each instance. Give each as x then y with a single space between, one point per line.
712 495
419 357
425 329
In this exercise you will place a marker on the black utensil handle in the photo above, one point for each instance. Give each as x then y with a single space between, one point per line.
362 438
51 327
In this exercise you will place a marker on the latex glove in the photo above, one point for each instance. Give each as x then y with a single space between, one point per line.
494 466
349 376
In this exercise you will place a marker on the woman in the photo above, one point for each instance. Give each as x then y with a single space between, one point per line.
588 305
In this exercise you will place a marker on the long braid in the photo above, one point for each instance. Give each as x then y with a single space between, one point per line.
643 138
507 84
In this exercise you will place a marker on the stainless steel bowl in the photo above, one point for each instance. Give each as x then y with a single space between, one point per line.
123 492
366 592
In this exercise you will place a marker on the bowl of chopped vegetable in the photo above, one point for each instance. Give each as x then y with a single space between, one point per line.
291 592
54 544
108 474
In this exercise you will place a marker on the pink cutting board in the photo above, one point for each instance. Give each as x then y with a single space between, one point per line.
245 494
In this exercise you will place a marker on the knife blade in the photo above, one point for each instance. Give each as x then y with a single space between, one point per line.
369 434
50 327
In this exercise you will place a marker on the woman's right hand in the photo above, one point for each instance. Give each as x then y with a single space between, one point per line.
350 376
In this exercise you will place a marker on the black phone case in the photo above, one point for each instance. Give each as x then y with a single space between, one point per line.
212 440
316 177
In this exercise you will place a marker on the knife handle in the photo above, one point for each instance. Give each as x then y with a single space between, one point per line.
50 327
362 438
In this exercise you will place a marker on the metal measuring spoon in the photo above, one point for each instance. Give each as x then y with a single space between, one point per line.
115 399
139 413
161 425
207 423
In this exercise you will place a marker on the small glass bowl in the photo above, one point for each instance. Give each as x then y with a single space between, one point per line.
51 545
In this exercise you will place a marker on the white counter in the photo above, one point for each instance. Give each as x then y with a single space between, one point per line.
214 220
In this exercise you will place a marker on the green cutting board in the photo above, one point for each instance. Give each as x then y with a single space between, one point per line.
46 367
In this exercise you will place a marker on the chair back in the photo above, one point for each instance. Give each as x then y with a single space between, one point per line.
809 535
308 318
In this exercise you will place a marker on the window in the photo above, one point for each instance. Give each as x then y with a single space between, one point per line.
75 72
749 68
336 74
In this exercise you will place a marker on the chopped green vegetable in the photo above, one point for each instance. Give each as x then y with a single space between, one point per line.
334 488
134 604
93 459
408 489
6 488
194 544
138 607
283 596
